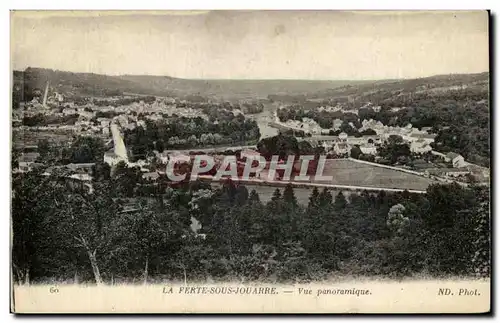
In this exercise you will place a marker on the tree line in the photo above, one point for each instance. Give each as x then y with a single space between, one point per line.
64 232
186 133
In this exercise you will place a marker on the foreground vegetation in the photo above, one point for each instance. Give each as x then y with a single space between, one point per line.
195 233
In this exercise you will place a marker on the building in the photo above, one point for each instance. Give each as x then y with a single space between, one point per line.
368 149
420 147
341 148
81 168
249 153
456 159
85 115
427 137
104 121
81 177
111 158
27 161
152 176
327 145
163 157
367 139
122 119
316 141
69 111
455 172
482 173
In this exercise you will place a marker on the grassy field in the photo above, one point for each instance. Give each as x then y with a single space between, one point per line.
350 173
347 172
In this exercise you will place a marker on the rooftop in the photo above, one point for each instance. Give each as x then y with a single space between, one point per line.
453 155
423 135
29 157
109 154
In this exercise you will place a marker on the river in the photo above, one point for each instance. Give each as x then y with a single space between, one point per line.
263 120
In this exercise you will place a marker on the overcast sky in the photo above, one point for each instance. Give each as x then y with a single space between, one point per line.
254 44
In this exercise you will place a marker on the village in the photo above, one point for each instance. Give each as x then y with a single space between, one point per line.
109 122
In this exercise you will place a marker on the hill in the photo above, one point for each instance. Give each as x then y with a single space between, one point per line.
82 84
235 89
387 92
383 92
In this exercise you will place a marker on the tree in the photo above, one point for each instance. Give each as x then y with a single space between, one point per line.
289 196
241 196
32 198
313 199
254 197
101 172
125 179
395 140
355 152
340 201
396 220
44 149
88 222
86 149
325 198
481 260
276 195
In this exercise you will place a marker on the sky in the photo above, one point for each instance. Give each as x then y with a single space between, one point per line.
316 45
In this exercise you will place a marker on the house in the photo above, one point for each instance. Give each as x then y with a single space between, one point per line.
456 159
105 123
81 177
483 173
141 163
455 172
69 111
427 137
152 176
420 146
111 158
421 165
372 139
321 140
163 156
342 137
141 123
85 115
368 149
82 123
122 119
130 126
81 167
336 124
249 153
327 146
341 148
27 161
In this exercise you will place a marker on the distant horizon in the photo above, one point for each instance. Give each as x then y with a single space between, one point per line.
248 79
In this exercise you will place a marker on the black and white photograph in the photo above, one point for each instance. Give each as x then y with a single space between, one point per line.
250 161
